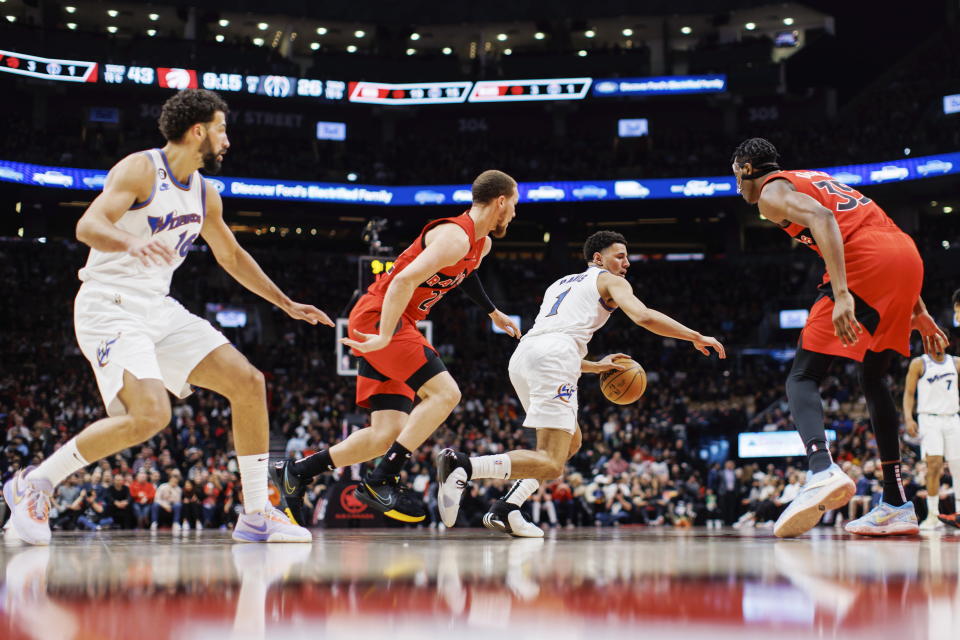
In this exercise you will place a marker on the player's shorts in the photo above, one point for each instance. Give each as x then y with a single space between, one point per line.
545 370
389 378
884 274
152 337
939 435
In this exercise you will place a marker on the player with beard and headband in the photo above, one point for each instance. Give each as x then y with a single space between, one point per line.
545 370
869 303
141 342
397 363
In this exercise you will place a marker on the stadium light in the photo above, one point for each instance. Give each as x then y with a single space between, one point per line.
112 29
69 9
151 32
686 30
11 18
224 22
263 26
750 26
507 52
321 31
788 21
314 46
948 209
352 177
154 16
352 48
539 35
411 51
582 53
627 32
113 13
447 51
72 26
501 37
589 33
219 37
414 36
258 42
359 33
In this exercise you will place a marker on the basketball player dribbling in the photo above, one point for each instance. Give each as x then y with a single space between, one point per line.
931 387
545 369
141 342
869 303
397 363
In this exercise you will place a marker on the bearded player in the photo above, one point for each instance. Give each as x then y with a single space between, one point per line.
545 370
397 364
142 343
868 304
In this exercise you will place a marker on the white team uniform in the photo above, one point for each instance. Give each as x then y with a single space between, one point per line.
545 367
937 405
123 317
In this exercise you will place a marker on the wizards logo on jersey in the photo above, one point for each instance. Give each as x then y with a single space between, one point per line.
565 392
103 351
171 221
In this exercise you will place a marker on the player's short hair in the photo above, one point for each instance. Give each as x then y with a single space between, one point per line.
956 297
187 108
756 151
492 184
600 241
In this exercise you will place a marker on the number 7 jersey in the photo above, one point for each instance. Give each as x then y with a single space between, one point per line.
851 209
174 213
572 306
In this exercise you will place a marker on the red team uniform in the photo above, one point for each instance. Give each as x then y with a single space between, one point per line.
390 377
884 269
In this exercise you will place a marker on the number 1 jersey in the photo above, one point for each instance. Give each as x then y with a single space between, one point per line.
572 306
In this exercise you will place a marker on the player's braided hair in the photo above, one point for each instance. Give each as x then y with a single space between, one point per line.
187 108
600 241
758 152
492 184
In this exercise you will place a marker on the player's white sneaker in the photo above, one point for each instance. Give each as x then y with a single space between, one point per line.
271 525
886 520
452 479
931 522
506 518
29 504
823 491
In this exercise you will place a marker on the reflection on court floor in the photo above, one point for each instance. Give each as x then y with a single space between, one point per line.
611 583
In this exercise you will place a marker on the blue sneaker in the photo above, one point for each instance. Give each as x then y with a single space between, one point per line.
823 491
269 526
886 520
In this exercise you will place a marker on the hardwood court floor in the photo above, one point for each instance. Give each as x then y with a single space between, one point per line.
419 584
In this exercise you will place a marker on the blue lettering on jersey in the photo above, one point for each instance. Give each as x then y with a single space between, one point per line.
577 278
171 221
933 379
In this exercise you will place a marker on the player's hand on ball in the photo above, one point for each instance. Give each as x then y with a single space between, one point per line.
703 344
308 313
609 362
152 252
504 323
368 342
934 339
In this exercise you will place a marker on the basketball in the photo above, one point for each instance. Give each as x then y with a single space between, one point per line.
624 386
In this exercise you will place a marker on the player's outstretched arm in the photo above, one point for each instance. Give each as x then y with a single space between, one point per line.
621 292
244 269
130 181
606 363
779 202
446 245
910 395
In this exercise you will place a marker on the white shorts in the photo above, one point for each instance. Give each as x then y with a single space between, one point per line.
148 335
939 435
544 371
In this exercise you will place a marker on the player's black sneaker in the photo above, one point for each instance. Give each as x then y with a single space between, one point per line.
505 517
290 487
391 499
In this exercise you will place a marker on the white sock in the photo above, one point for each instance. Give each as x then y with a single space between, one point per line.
933 506
61 463
497 466
253 479
521 490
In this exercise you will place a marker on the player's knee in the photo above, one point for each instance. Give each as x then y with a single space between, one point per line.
550 469
250 381
149 418
449 395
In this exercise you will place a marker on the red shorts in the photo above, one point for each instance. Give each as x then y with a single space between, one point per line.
389 378
885 275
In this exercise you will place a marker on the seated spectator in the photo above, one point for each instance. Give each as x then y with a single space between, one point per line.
119 504
190 509
167 502
142 492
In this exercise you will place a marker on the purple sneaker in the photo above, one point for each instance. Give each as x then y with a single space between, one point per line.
269 526
29 503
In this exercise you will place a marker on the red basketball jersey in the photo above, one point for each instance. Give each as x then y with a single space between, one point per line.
851 209
430 292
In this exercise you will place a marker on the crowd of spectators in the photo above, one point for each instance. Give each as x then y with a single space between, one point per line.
647 463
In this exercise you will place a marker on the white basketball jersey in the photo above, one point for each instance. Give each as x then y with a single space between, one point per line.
937 387
572 306
174 212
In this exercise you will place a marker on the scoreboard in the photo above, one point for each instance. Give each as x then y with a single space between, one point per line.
47 68
409 93
525 90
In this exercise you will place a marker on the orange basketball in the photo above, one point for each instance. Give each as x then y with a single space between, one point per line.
626 386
